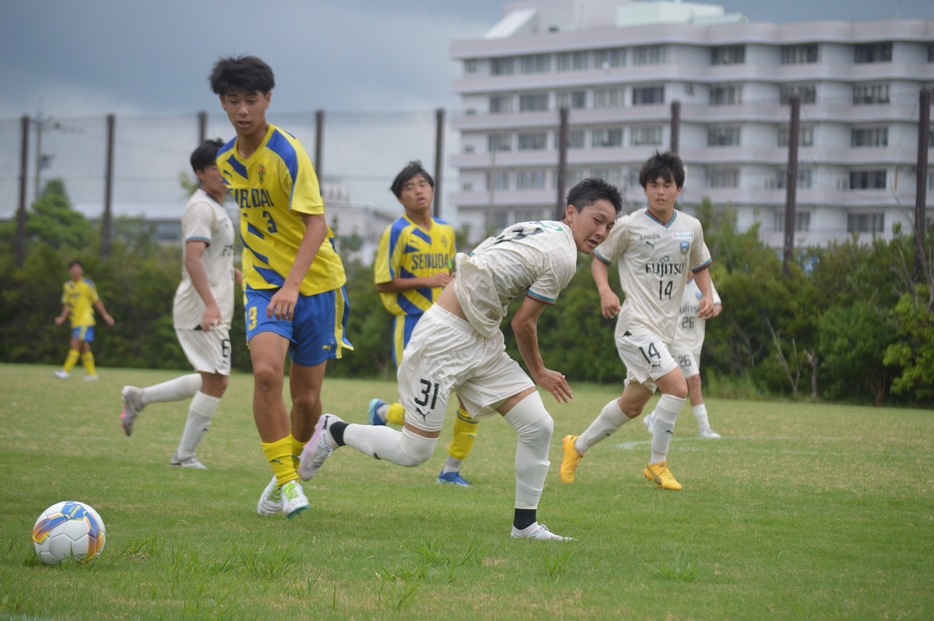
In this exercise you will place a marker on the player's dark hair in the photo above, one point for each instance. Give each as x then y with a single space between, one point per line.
75 262
245 74
206 154
412 170
591 190
667 165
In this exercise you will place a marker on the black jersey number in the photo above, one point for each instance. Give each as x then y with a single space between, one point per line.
517 234
664 289
429 394
270 223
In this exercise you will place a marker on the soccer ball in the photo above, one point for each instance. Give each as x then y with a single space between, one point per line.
68 530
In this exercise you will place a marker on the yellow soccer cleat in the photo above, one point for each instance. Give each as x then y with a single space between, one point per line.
571 460
661 476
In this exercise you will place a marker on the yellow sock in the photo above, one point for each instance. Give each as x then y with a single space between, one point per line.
297 446
71 360
87 358
465 436
279 456
396 414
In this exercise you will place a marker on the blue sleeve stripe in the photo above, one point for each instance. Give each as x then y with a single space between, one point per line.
601 257
701 267
206 240
281 146
540 298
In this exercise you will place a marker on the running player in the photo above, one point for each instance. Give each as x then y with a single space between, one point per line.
412 266
79 299
293 277
653 248
202 311
458 348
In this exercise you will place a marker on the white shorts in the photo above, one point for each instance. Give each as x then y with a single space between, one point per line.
646 357
689 361
447 355
207 351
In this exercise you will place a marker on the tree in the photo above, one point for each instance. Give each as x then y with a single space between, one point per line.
55 223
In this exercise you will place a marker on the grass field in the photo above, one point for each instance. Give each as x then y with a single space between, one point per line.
800 512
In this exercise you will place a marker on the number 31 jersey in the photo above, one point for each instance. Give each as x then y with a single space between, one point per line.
653 259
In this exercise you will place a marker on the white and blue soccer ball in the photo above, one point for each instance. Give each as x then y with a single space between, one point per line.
68 530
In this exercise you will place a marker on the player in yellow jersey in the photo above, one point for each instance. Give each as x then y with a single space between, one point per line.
413 265
79 299
293 277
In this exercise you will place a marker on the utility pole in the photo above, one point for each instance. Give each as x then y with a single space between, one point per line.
202 127
21 209
107 228
319 144
561 204
675 141
791 182
439 159
924 130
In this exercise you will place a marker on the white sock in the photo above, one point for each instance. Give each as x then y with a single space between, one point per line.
200 414
535 427
402 448
452 465
666 413
610 419
177 389
700 413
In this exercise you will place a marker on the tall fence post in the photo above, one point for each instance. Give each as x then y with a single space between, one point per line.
21 208
107 224
439 160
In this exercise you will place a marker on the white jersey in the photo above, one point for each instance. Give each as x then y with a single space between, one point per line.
689 334
207 221
535 258
653 260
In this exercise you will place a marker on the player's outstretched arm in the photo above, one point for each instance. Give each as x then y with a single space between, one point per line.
525 327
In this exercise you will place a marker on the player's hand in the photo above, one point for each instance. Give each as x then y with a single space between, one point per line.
60 320
555 383
609 303
110 320
706 308
440 280
283 303
211 317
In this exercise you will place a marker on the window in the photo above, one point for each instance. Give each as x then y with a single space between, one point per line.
615 57
533 103
865 223
502 66
564 61
466 187
723 136
873 53
728 55
869 137
499 142
527 215
647 95
575 139
498 180
536 141
805 179
726 95
867 180
870 94
576 100
802 220
722 177
805 135
641 136
501 104
468 148
535 63
806 92
574 176
799 54
470 66
613 176
931 52
608 98
607 138
530 180
648 55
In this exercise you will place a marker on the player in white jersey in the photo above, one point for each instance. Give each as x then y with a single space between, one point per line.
686 348
458 347
654 249
202 311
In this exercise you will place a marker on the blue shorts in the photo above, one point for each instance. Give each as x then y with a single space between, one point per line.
84 333
316 332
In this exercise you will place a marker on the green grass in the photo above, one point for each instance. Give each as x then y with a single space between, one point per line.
800 512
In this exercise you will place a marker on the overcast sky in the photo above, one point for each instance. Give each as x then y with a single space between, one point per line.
71 58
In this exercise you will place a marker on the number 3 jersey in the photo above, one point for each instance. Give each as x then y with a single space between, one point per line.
653 260
274 188
536 258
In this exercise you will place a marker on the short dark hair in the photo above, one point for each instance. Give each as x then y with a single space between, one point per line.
591 190
247 74
667 165
413 169
206 154
74 262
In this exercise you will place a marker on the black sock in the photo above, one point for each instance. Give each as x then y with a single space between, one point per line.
524 518
337 431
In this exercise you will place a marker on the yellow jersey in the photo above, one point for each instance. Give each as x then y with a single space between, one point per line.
80 297
406 250
273 189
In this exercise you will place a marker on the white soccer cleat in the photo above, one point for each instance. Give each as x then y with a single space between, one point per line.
191 463
132 406
90 378
538 532
270 503
649 422
294 500
709 434
61 374
319 448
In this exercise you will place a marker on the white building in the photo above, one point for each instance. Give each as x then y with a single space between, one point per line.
618 65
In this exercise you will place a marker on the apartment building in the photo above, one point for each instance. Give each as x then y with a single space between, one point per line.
617 66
